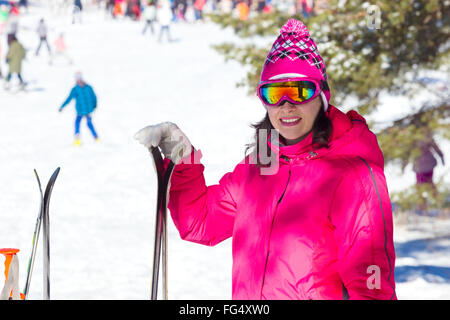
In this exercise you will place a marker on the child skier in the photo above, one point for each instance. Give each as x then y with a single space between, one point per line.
42 33
425 162
317 224
165 17
60 50
149 17
85 104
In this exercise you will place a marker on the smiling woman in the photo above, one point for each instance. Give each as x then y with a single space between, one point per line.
319 224
294 121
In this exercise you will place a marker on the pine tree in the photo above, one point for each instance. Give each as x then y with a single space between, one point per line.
388 48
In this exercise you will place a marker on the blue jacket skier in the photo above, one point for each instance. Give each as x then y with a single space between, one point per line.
85 104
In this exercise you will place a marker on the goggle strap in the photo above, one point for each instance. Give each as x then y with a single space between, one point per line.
325 101
324 85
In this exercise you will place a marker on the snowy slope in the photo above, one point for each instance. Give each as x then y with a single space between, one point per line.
102 209
422 268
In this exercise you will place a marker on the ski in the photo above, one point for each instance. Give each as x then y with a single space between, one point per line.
161 237
46 233
35 239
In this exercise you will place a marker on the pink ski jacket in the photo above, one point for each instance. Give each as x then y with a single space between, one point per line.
319 228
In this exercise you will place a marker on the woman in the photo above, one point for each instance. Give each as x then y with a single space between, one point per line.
317 226
164 17
60 49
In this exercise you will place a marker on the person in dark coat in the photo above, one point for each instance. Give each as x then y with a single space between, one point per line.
14 58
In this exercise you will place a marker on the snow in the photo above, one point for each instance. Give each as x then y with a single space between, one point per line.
103 203
422 268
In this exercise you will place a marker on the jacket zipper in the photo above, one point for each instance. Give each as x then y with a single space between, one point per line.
270 233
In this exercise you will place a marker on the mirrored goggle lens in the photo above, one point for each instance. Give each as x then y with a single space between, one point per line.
298 91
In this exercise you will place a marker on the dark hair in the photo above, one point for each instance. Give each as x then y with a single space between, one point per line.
11 38
321 130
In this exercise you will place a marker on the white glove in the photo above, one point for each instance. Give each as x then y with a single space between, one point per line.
173 142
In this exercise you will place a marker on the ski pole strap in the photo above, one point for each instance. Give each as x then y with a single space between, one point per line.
11 287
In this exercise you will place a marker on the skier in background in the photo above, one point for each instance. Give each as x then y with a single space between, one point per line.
308 208
261 4
24 3
60 50
85 104
110 7
424 164
12 22
165 17
14 9
181 8
226 6
42 33
305 7
132 9
14 58
149 16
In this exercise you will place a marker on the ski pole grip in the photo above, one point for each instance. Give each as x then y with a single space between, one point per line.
11 284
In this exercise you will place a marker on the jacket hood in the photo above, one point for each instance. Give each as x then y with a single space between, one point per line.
350 137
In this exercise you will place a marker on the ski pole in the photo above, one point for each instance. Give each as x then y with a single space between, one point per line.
161 239
35 240
165 250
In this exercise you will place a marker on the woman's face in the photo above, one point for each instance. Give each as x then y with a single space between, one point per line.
293 121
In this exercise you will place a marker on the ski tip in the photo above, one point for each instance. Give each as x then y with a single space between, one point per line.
55 174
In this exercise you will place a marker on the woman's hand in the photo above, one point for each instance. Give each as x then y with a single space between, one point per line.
173 142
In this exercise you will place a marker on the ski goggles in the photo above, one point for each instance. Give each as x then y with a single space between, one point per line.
296 91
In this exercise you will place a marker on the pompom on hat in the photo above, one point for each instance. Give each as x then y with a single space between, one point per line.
78 76
294 54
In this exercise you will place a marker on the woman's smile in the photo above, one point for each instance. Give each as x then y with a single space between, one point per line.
290 121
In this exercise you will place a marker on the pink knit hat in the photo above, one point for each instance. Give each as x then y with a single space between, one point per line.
294 54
